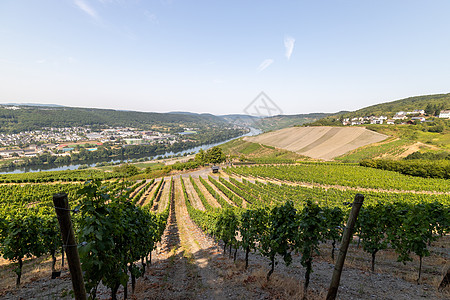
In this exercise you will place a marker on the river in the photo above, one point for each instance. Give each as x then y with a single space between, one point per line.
253 131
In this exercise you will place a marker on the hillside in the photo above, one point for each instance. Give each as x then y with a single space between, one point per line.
441 101
319 142
239 119
284 121
35 118
254 151
432 104
16 117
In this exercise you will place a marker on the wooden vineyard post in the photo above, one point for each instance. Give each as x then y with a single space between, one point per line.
347 236
62 209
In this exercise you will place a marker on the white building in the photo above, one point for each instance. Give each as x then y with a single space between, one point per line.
421 119
399 117
445 114
376 121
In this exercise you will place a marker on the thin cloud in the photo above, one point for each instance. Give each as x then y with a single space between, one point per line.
289 43
112 1
151 17
265 64
86 8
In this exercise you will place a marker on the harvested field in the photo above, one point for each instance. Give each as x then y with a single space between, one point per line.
319 142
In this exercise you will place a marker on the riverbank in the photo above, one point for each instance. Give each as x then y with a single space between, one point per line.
177 156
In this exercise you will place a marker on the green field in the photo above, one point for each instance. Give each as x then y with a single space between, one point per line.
240 148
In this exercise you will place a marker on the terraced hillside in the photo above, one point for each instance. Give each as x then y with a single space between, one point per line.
319 142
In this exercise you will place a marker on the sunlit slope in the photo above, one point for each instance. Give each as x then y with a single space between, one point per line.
319 142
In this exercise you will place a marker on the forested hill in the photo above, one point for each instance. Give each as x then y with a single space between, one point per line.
274 122
34 118
284 121
433 102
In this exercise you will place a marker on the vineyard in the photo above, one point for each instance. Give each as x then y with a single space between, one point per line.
254 231
389 148
347 176
58 176
115 232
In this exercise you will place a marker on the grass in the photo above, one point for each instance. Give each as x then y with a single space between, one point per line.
239 147
152 165
402 136
250 148
414 133
390 148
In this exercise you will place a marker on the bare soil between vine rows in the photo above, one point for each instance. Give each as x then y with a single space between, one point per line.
190 265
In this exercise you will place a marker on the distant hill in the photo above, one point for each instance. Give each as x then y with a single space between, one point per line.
36 117
182 113
432 104
441 101
284 121
31 104
239 119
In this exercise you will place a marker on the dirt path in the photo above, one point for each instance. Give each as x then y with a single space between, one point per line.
211 200
151 192
190 265
140 187
244 202
204 172
191 237
409 149
171 274
219 191
163 200
196 202
147 195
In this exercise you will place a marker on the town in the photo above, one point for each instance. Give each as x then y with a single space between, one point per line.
400 117
62 141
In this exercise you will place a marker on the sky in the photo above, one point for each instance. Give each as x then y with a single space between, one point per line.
218 56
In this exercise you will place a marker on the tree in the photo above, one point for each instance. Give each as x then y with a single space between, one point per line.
129 170
429 110
201 156
215 155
